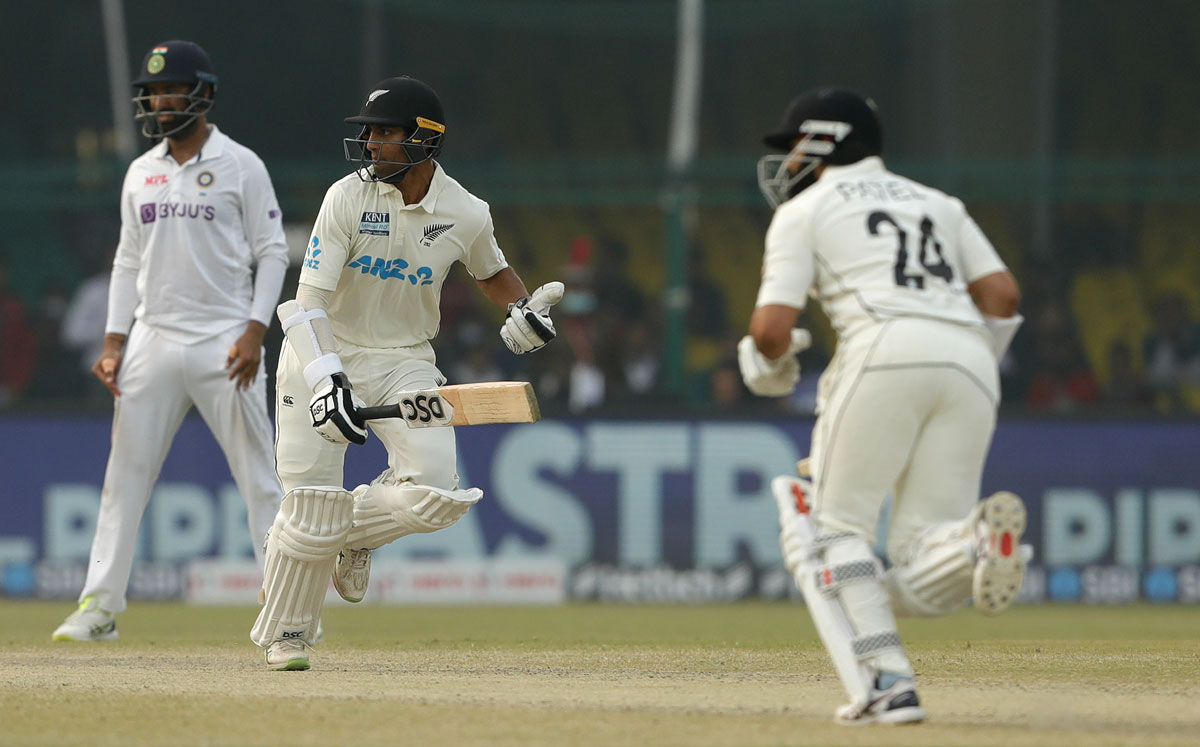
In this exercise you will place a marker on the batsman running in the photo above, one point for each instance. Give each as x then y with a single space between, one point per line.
923 308
358 335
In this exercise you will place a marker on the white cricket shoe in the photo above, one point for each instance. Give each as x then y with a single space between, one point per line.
897 704
288 654
352 573
1001 559
88 623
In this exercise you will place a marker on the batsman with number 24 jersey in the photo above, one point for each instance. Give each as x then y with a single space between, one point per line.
923 309
357 335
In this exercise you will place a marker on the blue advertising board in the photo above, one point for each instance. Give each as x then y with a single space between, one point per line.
640 509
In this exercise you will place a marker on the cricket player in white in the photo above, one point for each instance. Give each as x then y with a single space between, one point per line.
198 213
923 308
358 334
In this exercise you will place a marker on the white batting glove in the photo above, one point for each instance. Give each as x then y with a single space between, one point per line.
772 378
528 326
334 410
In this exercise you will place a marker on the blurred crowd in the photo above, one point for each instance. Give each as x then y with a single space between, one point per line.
611 355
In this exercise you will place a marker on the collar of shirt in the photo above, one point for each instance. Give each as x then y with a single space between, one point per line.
429 201
870 163
213 147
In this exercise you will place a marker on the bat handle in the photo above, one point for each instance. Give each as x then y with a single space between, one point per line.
376 413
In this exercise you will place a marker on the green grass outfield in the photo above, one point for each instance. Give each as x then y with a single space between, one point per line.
739 674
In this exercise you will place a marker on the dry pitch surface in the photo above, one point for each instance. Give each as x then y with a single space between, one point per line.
742 674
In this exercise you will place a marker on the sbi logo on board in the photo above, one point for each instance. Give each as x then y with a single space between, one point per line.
1098 548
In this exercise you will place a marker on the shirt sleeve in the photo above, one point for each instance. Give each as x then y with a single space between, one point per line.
978 256
329 245
787 272
483 256
127 261
262 222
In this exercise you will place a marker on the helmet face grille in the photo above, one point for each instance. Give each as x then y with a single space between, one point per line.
199 101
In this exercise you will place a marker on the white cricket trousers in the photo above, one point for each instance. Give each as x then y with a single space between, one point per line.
906 409
160 381
424 456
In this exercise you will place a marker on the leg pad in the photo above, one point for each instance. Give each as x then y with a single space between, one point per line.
384 512
302 546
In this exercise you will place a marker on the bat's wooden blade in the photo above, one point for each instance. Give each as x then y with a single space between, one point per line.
492 402
473 404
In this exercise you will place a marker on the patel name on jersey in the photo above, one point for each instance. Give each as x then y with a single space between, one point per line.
881 190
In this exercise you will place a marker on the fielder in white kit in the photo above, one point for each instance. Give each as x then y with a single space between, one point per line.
358 334
197 274
923 308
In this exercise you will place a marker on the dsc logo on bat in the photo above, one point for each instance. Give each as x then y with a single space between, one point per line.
426 408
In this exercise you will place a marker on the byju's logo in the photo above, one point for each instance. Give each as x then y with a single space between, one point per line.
433 231
151 211
376 224
385 269
311 257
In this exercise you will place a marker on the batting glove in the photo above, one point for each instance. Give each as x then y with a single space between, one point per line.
334 410
528 326
772 378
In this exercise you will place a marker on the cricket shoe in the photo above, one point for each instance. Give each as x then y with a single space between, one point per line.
1000 556
352 573
88 623
897 704
287 655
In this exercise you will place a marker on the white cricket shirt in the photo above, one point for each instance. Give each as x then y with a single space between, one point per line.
385 261
871 245
191 233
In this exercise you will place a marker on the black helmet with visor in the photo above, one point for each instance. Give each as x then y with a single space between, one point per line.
405 103
175 62
828 125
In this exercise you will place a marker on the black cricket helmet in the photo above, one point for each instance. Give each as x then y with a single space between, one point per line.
405 103
827 125
175 62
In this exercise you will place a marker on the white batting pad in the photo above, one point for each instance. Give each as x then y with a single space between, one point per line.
937 580
309 532
839 576
384 512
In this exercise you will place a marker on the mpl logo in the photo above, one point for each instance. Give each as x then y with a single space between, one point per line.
386 269
156 180
375 223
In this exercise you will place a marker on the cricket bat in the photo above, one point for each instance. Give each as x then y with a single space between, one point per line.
462 404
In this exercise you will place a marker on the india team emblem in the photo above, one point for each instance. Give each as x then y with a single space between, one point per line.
155 64
205 179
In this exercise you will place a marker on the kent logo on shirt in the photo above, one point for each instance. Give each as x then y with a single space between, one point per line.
376 224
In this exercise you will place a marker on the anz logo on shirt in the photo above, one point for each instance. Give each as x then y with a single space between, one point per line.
312 256
386 269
